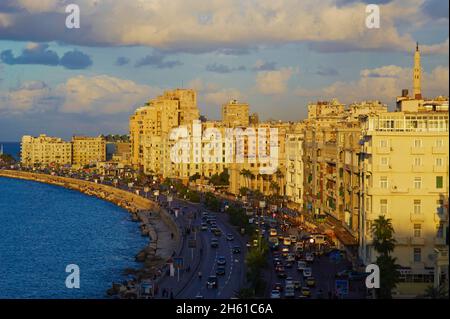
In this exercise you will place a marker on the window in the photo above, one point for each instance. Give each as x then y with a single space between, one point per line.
417 182
417 255
383 143
383 206
384 161
417 230
417 206
417 143
439 181
384 182
439 143
440 230
418 161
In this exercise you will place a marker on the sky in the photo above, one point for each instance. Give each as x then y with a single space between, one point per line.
276 55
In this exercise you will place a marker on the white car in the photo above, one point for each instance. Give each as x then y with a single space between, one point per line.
307 272
275 294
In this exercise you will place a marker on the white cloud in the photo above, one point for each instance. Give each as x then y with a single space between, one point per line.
384 83
96 95
231 23
273 82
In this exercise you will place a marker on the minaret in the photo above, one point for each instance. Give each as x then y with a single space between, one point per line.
417 75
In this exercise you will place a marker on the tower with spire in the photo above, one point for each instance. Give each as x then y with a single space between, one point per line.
417 75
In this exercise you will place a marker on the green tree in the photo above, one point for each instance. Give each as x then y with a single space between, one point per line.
384 244
436 293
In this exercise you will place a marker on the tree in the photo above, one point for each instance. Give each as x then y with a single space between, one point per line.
194 177
384 244
440 292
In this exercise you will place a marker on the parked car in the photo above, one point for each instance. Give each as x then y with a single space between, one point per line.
204 226
278 286
230 237
275 294
272 232
289 292
297 284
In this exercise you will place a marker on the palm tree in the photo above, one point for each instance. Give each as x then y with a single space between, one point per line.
384 244
247 175
437 293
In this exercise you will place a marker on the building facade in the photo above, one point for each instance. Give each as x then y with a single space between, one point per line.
45 151
88 150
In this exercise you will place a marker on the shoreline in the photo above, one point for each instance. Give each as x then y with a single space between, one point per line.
154 222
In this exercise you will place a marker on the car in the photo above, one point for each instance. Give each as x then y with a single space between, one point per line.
305 291
355 275
293 239
285 252
212 282
287 241
290 257
289 292
272 232
301 265
214 243
307 272
310 281
236 250
204 226
297 284
278 286
217 232
279 267
221 260
220 271
289 264
309 257
275 294
255 242
230 237
281 274
199 297
288 281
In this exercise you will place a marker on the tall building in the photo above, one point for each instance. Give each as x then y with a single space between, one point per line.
235 114
405 178
150 128
417 75
294 165
45 150
88 150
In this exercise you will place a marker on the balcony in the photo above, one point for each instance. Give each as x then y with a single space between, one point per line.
417 150
417 217
403 241
417 241
439 169
440 242
439 150
383 150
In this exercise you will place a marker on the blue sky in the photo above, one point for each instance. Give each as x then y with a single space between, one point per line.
275 55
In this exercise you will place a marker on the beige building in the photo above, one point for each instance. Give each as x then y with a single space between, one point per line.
151 125
235 114
45 150
405 178
294 164
88 150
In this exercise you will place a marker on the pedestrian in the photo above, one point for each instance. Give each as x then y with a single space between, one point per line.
171 235
171 294
164 292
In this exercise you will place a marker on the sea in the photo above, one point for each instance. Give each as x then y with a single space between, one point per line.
11 148
47 229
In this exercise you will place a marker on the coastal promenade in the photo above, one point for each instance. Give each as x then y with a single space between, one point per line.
155 222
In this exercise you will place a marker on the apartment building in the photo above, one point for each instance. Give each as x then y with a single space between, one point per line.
235 114
294 164
45 151
405 178
88 150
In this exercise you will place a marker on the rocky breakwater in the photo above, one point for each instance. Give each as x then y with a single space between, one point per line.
155 222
